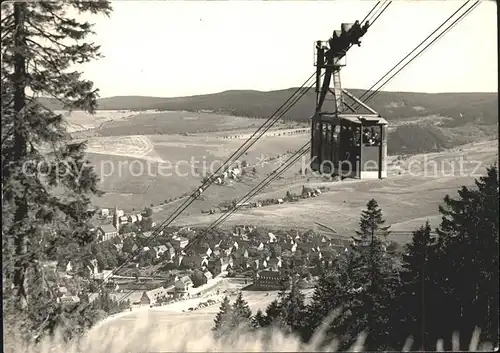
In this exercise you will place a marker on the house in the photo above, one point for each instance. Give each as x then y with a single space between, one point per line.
226 262
194 261
106 232
151 297
271 280
243 205
147 234
160 250
184 284
244 244
234 173
139 217
287 247
171 252
221 264
274 264
132 218
93 297
69 299
119 213
238 259
130 234
123 219
180 242
104 212
208 275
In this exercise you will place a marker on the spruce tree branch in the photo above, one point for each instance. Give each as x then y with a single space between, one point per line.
75 24
47 59
7 135
7 18
49 36
52 95
7 31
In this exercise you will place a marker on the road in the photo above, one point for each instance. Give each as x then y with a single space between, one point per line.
169 316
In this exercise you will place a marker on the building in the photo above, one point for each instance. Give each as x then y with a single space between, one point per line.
69 299
104 212
208 275
271 280
180 242
171 252
183 285
151 297
243 205
106 232
119 213
274 264
160 250
192 262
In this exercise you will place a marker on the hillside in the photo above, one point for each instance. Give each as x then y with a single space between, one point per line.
480 108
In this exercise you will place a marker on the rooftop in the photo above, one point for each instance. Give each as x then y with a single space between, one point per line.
108 228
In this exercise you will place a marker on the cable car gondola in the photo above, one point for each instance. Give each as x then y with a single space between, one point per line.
348 144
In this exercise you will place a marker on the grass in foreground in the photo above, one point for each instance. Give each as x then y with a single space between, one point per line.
146 336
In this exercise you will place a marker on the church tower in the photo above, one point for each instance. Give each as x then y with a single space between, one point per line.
116 220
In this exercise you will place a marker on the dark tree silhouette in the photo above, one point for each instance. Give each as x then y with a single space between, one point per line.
416 290
467 261
223 319
40 42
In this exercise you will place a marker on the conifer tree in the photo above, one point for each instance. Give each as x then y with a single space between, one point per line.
46 180
273 311
329 295
242 314
416 292
223 319
259 319
370 280
293 311
467 266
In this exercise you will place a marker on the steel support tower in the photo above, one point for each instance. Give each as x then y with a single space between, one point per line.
337 127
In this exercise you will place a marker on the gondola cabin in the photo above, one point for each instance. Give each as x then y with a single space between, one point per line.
349 145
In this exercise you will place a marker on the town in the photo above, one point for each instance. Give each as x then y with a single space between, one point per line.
160 270
179 184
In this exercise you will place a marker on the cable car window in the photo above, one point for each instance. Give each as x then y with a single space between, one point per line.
371 136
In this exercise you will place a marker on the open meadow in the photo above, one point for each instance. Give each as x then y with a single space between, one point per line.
139 167
136 171
407 199
175 122
79 121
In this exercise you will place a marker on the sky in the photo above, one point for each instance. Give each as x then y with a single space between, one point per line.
183 48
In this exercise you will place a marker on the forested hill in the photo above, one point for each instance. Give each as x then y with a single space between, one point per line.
465 107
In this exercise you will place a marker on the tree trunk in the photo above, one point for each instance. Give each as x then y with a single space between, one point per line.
19 153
